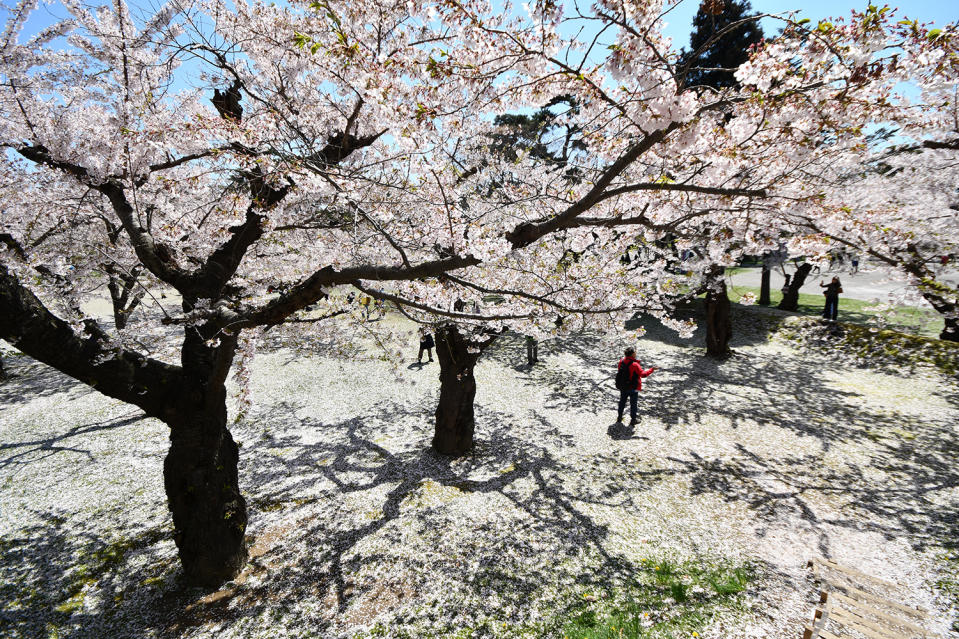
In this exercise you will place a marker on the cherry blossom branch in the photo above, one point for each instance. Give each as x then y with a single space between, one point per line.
397 299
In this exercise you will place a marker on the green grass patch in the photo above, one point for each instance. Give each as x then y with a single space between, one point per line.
949 584
879 348
906 319
665 599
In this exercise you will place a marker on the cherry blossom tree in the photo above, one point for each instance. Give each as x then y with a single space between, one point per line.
218 200
895 198
252 158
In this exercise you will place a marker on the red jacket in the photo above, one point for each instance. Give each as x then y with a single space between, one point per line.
636 371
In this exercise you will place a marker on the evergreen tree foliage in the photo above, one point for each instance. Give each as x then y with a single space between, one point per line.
716 47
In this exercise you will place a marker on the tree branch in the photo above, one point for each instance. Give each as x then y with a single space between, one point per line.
114 371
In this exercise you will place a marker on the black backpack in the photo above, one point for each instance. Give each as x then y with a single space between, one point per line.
623 376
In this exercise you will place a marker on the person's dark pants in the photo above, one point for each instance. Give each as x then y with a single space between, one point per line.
429 351
633 396
831 310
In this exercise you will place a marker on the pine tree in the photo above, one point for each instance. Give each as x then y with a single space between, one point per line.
717 47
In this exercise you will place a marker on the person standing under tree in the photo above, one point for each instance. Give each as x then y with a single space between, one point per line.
426 344
833 289
629 381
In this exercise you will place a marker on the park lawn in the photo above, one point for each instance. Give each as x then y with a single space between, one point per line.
560 523
907 319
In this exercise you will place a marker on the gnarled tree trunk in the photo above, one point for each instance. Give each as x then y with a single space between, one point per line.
123 293
950 331
790 301
209 513
454 427
941 298
200 469
719 328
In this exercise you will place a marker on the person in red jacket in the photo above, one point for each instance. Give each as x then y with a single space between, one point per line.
629 380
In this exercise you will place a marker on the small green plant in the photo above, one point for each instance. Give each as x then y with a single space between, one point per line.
730 583
667 598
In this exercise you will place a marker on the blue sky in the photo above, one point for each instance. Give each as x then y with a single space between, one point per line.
938 11
679 19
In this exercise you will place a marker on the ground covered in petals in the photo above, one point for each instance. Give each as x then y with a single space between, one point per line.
697 522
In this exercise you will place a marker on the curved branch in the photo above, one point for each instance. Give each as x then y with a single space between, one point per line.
112 370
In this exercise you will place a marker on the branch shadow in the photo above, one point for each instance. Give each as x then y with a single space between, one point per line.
896 490
360 571
36 450
29 380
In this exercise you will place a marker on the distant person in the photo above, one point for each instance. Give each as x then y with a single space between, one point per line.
629 381
832 291
855 264
426 344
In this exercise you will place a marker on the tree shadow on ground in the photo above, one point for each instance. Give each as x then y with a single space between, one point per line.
410 528
896 484
57 579
30 379
30 452
357 519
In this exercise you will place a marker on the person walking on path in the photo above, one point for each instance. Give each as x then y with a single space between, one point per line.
629 381
833 289
426 344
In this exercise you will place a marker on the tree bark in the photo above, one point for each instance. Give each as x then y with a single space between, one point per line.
123 294
454 426
764 299
940 296
790 301
719 327
938 300
200 470
209 513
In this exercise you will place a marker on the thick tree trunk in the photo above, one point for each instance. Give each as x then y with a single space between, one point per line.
764 299
790 301
950 332
209 513
454 415
200 470
941 297
719 327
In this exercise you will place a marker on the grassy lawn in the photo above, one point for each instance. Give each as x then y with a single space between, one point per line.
667 599
907 319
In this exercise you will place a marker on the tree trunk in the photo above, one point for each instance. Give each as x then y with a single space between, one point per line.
454 427
200 469
123 294
790 301
764 283
948 310
719 327
209 513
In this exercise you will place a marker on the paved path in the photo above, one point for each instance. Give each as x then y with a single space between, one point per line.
868 284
